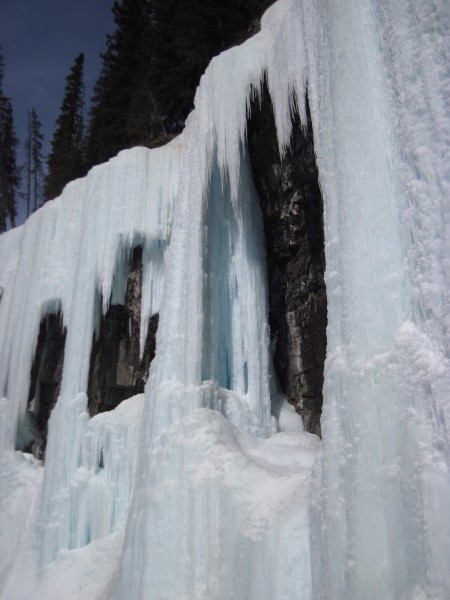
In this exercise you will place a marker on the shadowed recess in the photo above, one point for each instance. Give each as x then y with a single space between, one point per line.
292 208
117 370
45 383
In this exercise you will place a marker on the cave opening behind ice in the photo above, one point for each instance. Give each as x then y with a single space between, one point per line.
292 208
45 382
119 365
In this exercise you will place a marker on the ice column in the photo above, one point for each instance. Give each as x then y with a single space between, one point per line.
379 489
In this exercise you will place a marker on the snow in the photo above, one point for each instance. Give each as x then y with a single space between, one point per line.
207 488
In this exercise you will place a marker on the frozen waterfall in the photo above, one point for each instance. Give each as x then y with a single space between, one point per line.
206 487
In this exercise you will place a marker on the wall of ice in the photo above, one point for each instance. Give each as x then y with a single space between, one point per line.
382 134
194 491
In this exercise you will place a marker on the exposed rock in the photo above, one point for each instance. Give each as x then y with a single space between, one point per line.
117 371
45 383
292 209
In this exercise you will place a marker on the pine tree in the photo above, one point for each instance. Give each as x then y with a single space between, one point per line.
9 172
188 33
26 170
153 64
66 159
121 110
37 172
33 167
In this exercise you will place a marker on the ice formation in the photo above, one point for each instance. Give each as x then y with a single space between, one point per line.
197 491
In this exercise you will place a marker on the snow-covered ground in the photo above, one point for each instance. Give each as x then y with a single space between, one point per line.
196 491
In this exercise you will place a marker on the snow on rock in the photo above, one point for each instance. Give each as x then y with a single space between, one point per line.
196 492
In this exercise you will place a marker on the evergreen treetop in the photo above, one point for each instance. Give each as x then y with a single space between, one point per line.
66 160
117 91
9 172
33 168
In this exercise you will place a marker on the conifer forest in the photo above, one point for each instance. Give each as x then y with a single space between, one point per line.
151 66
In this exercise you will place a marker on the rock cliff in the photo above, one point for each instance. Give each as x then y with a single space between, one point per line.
117 370
292 208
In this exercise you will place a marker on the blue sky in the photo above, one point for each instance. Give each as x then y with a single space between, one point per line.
40 41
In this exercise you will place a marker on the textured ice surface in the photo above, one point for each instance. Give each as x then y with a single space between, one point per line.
192 492
382 138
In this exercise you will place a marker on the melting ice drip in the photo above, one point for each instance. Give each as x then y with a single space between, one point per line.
191 493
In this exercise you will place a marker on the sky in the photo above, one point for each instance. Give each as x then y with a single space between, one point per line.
40 41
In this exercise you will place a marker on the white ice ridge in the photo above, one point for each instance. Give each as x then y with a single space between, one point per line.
194 495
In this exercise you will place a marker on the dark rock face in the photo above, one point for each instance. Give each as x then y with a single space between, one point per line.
117 371
292 210
46 376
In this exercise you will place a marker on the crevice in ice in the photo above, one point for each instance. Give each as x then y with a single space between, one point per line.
119 367
45 383
292 208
